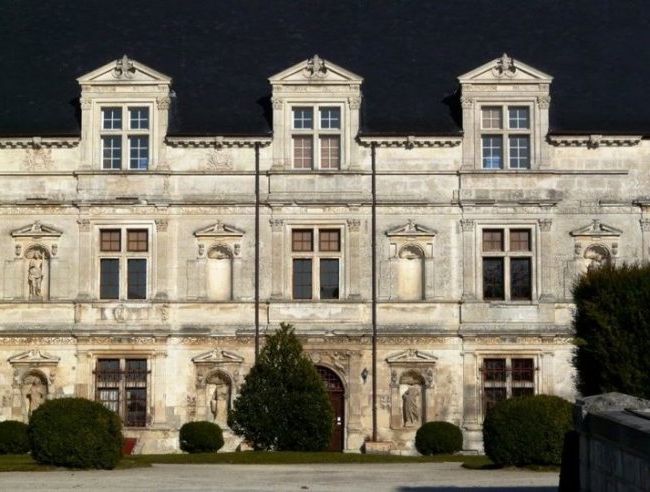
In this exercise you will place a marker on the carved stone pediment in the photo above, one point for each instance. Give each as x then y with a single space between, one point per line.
36 230
596 229
218 357
505 68
339 360
33 358
124 70
411 229
411 356
315 70
219 230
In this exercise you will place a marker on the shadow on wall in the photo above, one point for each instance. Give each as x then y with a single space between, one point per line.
478 489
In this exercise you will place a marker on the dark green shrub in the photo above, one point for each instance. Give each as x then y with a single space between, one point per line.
612 327
13 437
76 433
283 404
201 437
527 431
438 438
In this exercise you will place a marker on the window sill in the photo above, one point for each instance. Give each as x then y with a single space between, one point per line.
502 303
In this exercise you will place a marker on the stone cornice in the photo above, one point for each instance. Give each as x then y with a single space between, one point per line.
594 141
39 142
410 141
216 142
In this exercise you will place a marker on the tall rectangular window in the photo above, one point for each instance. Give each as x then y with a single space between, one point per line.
137 279
329 278
303 152
316 137
111 152
121 386
123 265
316 259
506 377
492 151
330 154
505 137
302 276
125 137
139 147
109 279
507 263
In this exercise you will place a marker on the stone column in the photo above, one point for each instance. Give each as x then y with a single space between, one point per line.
353 229
279 157
277 261
162 103
546 264
354 104
86 144
645 239
163 259
467 228
85 259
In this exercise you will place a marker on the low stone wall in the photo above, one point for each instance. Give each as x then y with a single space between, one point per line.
614 443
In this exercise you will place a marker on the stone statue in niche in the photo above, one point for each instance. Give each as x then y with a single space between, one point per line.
596 256
411 406
219 391
36 268
35 391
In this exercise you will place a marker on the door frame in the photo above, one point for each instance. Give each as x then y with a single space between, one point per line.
346 400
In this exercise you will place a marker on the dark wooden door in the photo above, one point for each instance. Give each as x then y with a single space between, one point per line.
337 398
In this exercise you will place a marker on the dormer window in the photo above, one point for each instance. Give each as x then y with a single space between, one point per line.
316 141
505 137
125 137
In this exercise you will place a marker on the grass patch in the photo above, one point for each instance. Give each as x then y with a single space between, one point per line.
24 462
488 465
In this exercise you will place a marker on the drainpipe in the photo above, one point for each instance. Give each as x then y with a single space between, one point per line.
257 249
374 290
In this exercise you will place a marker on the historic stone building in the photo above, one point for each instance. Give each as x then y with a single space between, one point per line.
141 254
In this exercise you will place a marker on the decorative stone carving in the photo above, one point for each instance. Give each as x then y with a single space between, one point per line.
544 102
276 102
354 224
597 256
411 229
124 68
505 67
36 268
467 225
596 230
35 391
36 230
355 102
218 230
315 68
34 374
545 224
218 160
191 407
220 391
38 159
645 225
276 224
466 102
163 102
161 225
339 360
411 406
84 225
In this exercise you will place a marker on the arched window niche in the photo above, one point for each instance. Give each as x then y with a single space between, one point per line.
219 273
410 273
37 272
33 381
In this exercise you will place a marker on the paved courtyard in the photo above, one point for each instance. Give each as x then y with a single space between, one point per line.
429 477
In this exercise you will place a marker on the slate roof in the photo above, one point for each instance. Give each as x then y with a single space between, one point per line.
221 53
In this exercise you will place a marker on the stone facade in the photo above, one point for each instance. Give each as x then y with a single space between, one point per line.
581 201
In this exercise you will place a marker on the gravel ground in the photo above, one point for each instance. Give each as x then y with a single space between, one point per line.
425 477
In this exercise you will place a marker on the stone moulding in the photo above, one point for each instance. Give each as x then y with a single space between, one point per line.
593 141
216 142
39 142
410 141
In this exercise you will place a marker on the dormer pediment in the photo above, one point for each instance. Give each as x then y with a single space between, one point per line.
315 70
597 229
218 357
219 229
505 70
411 229
36 230
33 357
124 71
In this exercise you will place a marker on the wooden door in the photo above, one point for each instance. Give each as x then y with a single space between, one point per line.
336 393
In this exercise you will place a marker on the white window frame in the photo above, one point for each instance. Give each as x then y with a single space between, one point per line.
316 132
124 133
505 132
123 256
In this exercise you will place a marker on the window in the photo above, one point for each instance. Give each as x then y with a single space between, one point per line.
506 377
507 264
125 135
505 137
316 263
121 386
316 137
123 272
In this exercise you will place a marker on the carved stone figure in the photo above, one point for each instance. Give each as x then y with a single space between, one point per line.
35 274
411 406
596 257
219 403
35 393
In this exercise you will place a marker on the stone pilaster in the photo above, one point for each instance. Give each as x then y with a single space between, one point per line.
163 264
158 368
85 259
277 258
546 253
353 228
645 239
467 227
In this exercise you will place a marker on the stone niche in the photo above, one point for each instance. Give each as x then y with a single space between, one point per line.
411 262
411 388
595 245
217 379
33 381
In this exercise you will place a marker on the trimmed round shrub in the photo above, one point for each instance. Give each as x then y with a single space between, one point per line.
76 433
438 438
201 437
13 437
528 430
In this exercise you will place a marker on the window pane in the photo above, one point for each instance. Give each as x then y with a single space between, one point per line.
111 118
329 240
110 398
136 407
492 239
522 391
137 279
520 152
494 370
302 240
523 370
139 152
330 152
494 396
302 279
303 118
329 279
491 118
110 240
518 117
108 372
109 278
520 279
493 279
520 240
330 118
492 151
139 118
137 240
112 152
303 152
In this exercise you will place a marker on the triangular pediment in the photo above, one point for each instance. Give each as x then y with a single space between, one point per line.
411 229
34 357
504 69
218 357
124 71
597 228
315 70
219 229
35 230
412 356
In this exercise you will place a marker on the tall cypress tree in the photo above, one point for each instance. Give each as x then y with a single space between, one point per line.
612 328
283 404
